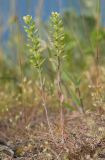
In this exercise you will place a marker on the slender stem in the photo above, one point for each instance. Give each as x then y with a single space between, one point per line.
60 96
43 96
97 42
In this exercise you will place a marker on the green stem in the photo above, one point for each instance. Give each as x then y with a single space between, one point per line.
60 96
44 103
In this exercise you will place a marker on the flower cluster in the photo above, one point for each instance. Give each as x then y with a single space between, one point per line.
57 33
34 42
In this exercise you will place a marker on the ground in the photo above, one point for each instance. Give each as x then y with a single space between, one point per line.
24 135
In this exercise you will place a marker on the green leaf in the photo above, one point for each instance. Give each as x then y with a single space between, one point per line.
68 106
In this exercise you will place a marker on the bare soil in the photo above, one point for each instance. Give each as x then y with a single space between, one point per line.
24 135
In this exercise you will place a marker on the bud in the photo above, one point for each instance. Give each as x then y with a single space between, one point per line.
27 19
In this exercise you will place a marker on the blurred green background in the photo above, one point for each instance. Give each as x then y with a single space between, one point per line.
18 82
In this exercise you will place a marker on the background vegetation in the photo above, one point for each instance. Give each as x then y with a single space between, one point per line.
82 70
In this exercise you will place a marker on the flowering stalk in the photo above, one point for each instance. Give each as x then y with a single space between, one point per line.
57 32
36 60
